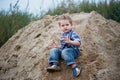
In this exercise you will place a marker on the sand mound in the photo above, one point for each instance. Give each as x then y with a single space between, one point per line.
25 55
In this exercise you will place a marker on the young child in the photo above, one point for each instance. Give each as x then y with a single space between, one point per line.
69 50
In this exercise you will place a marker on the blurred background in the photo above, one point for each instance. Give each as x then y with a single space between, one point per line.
15 14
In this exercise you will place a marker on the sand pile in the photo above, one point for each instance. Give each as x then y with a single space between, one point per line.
25 55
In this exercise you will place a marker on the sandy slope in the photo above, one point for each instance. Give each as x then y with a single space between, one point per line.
25 55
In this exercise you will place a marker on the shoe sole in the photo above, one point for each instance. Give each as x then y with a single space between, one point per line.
53 70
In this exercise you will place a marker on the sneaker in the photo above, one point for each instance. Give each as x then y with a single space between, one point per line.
76 71
53 68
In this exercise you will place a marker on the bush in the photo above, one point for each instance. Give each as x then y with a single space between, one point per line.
114 10
109 10
11 21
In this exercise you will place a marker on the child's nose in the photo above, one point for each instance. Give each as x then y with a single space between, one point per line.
65 26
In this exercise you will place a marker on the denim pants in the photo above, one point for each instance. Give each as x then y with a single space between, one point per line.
68 54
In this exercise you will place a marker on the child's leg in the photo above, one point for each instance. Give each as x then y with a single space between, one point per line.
69 55
73 65
55 55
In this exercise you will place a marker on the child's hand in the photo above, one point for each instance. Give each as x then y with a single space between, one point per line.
52 46
66 39
75 43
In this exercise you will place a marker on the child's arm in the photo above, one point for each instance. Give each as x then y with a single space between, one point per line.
75 43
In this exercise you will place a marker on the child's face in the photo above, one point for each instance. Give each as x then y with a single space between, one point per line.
65 25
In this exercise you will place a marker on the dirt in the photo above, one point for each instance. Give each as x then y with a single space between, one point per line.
25 55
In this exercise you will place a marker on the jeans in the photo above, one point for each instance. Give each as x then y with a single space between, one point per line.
68 54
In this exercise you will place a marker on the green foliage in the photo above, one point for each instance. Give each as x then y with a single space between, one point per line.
11 21
114 10
109 10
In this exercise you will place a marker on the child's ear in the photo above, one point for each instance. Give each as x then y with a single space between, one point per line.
59 23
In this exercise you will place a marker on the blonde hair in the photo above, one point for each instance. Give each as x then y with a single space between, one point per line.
65 17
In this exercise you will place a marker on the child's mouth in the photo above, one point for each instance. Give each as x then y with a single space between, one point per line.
66 30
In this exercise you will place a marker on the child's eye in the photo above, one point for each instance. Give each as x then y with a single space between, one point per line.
62 25
67 24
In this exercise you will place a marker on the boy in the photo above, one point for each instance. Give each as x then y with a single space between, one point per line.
69 50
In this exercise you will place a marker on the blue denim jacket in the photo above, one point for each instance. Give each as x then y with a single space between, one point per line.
72 36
